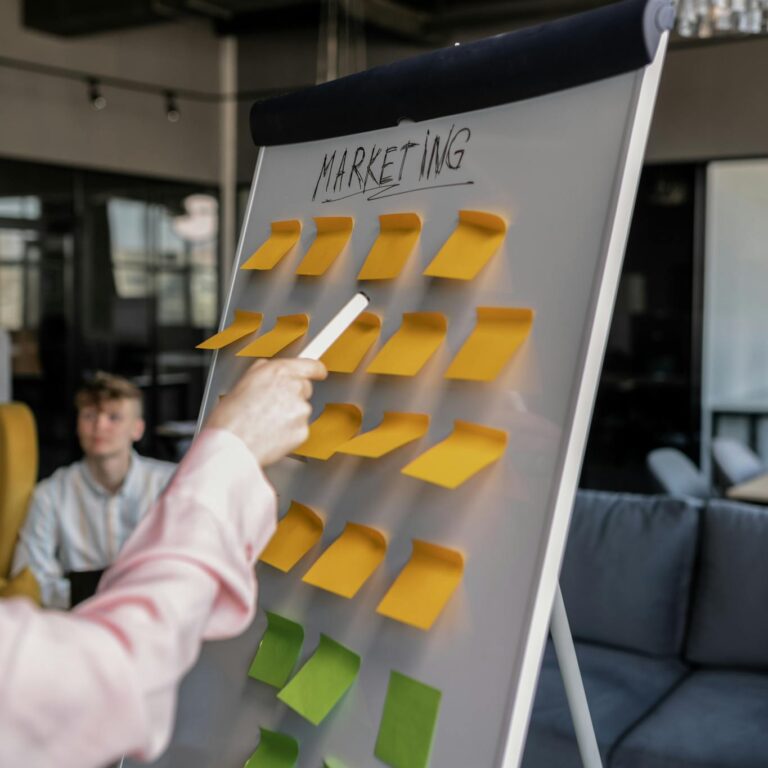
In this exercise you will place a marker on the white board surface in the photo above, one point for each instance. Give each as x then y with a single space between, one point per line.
562 170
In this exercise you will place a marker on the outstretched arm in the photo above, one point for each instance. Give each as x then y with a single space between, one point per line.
80 689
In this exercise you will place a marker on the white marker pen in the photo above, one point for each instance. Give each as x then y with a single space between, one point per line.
335 327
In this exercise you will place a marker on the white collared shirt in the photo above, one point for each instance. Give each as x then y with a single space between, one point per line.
75 524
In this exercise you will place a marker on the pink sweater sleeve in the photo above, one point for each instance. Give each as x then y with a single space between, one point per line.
82 688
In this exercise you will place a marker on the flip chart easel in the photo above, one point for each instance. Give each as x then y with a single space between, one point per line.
562 640
531 141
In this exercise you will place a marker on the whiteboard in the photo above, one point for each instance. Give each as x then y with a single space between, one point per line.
562 169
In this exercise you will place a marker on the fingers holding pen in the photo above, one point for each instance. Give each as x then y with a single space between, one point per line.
269 406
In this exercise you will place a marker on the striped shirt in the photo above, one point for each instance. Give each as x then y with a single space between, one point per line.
75 524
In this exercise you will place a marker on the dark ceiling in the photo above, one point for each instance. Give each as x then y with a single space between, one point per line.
420 20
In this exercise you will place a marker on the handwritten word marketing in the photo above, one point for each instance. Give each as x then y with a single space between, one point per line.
384 170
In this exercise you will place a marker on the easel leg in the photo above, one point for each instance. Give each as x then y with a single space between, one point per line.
574 687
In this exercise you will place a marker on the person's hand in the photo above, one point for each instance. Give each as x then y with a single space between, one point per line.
268 408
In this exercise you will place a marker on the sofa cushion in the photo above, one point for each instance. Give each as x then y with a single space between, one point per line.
621 687
729 622
627 570
714 718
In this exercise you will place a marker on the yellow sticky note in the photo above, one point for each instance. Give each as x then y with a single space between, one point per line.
349 562
347 352
333 233
297 532
335 425
496 337
470 246
396 430
398 233
284 235
467 450
243 324
417 339
288 328
420 592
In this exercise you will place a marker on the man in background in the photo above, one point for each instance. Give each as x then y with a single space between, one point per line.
80 517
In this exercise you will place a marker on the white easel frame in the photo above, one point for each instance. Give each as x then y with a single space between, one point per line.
574 685
557 621
559 626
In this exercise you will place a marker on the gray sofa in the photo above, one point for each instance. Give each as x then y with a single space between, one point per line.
668 604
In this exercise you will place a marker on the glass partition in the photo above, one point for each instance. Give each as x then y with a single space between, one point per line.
105 272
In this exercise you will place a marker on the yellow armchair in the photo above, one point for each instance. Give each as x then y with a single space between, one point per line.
24 584
18 474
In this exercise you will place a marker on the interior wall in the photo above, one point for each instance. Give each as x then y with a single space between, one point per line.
712 103
268 62
49 119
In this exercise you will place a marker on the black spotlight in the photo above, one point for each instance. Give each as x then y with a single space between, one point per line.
97 99
172 107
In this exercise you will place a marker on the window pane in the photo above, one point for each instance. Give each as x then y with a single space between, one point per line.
19 279
132 282
20 207
32 296
11 297
128 247
204 300
127 231
204 254
171 248
15 245
199 228
172 298
191 236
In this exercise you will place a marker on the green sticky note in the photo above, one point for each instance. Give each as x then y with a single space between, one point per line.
332 762
275 750
408 723
278 651
322 681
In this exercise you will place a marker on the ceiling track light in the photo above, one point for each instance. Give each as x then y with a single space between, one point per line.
172 107
96 98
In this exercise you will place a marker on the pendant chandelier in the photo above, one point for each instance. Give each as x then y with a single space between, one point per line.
711 18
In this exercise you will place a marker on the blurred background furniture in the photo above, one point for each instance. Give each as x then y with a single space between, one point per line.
178 435
676 474
18 475
754 490
666 600
734 462
751 409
